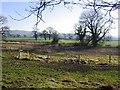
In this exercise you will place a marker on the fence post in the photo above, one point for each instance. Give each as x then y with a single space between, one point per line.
78 59
110 59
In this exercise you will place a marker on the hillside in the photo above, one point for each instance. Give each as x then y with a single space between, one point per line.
21 32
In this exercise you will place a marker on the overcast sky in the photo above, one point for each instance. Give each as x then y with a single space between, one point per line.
61 19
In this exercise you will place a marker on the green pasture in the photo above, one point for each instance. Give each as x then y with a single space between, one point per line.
27 40
35 74
111 43
61 41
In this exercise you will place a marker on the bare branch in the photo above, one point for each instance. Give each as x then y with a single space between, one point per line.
38 7
22 18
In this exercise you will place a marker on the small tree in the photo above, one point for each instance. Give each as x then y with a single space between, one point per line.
24 36
55 37
45 33
50 31
35 31
81 33
4 30
18 35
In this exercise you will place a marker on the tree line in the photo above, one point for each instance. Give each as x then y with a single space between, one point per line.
92 27
49 33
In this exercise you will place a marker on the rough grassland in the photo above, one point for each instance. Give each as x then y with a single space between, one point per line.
36 74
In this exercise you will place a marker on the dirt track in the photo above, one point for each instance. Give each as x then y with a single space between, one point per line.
46 47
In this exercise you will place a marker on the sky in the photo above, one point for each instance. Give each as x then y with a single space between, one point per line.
60 18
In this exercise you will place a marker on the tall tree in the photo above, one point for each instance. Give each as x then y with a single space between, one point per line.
97 24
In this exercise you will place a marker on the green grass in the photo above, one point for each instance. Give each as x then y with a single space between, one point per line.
106 43
40 40
68 41
27 40
34 74
111 43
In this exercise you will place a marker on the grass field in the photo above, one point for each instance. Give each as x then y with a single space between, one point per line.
56 66
106 43
34 74
27 40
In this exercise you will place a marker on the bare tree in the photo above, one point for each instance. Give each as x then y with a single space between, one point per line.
80 31
45 33
55 37
4 30
97 24
50 31
35 31
3 20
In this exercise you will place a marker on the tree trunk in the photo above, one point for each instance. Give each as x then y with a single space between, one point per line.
36 38
94 40
45 36
81 42
94 43
49 36
55 39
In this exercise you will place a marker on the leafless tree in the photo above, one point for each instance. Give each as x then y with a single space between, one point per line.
35 31
3 20
50 31
55 37
97 24
80 31
45 33
4 30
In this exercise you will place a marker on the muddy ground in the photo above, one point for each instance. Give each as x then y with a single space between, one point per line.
50 48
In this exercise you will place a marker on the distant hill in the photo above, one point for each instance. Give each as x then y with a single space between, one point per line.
22 33
30 34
